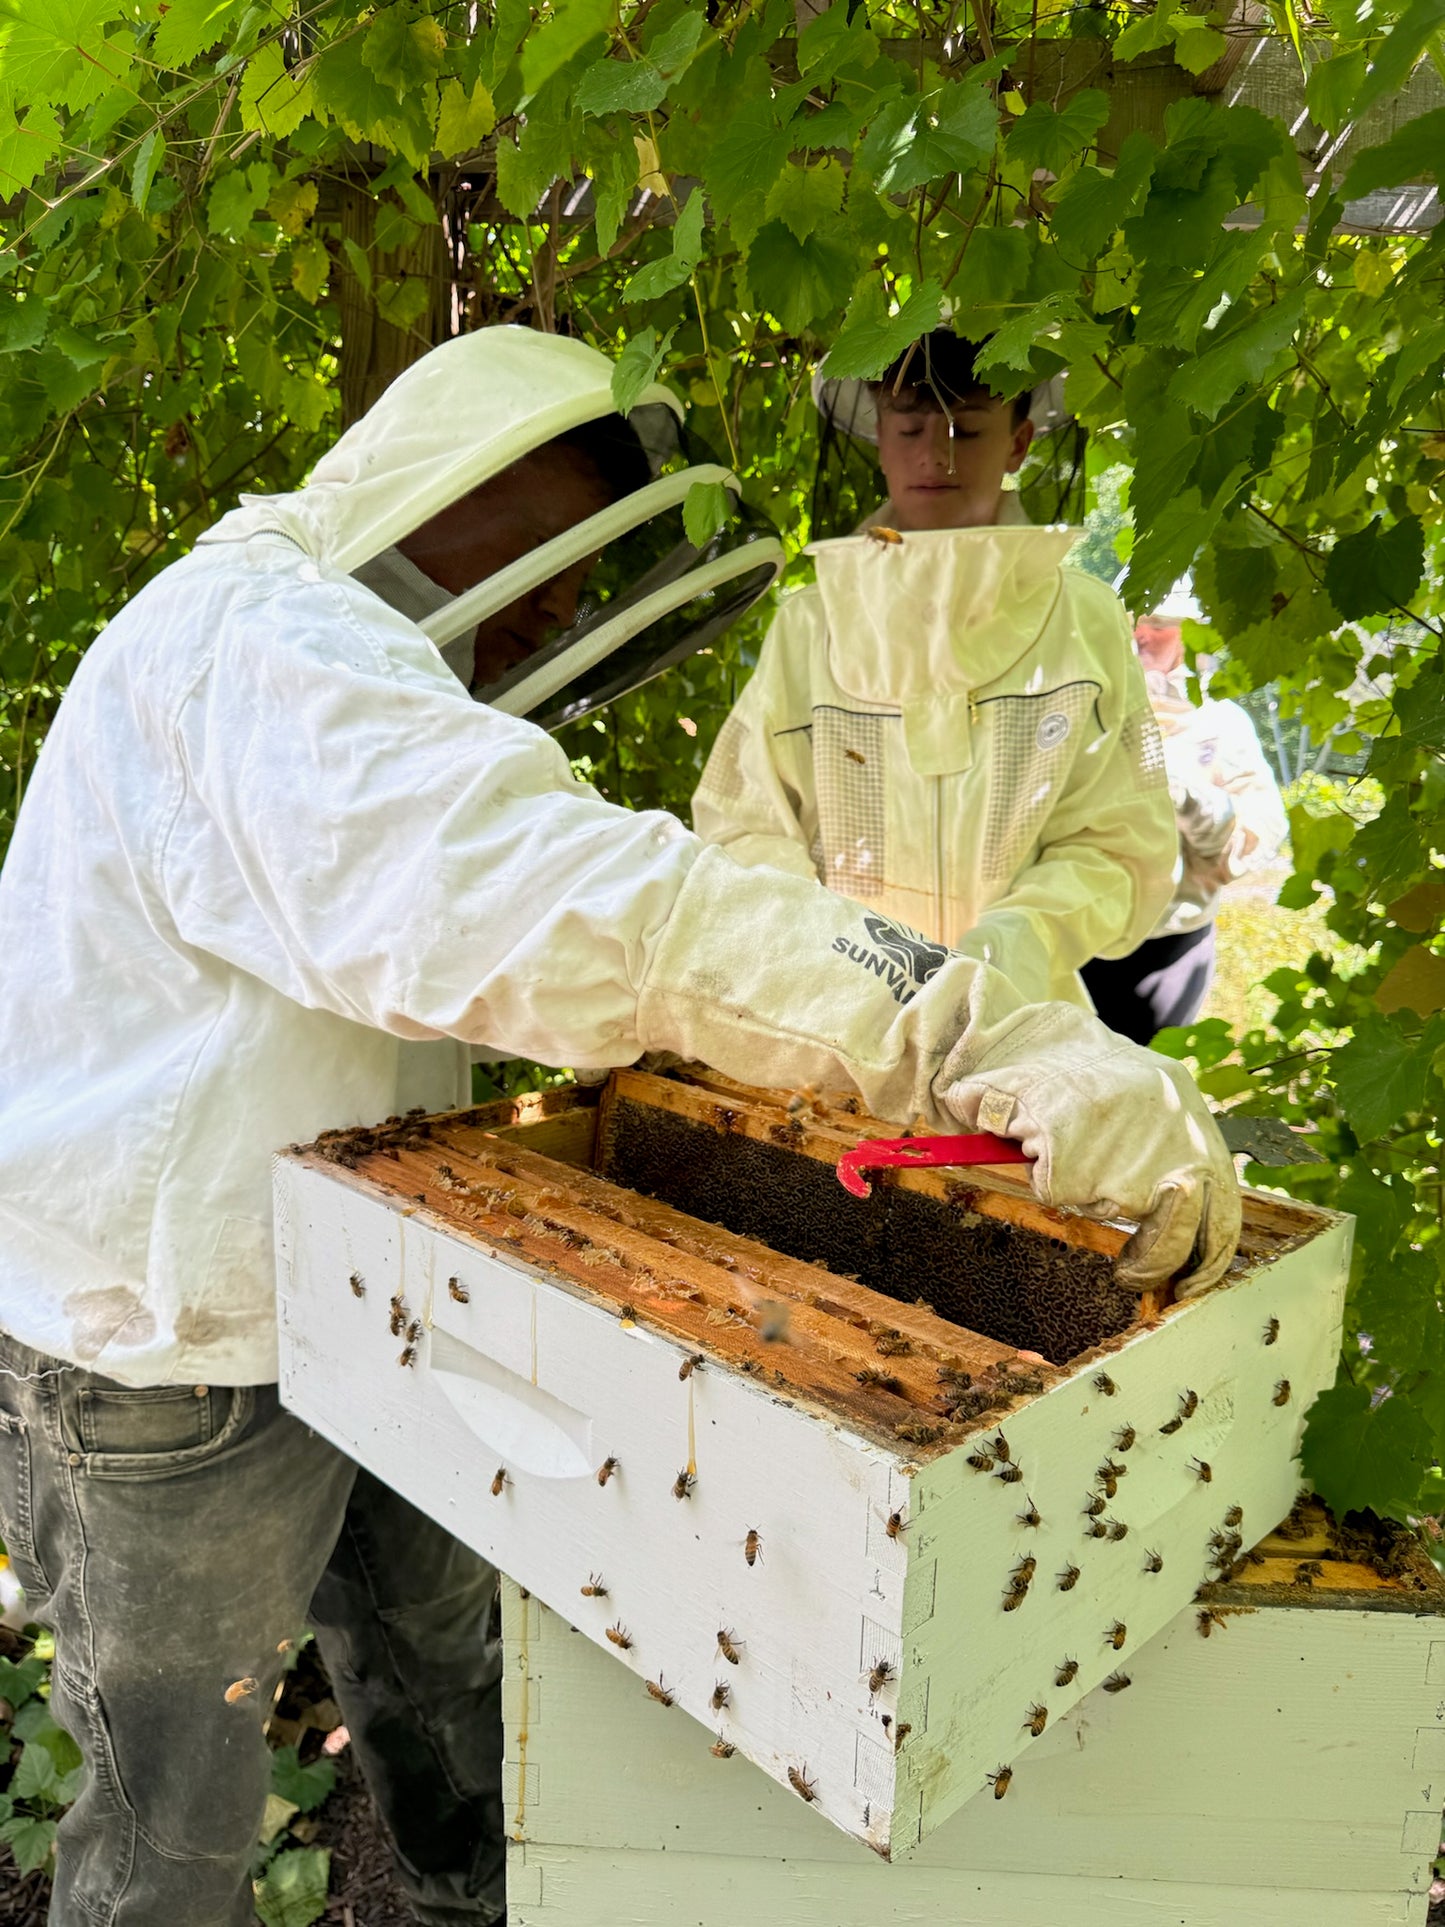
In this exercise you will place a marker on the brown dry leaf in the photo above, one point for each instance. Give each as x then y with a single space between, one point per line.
1422 907
1416 983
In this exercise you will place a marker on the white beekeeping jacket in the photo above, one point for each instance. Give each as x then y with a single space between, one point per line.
1231 815
954 728
269 840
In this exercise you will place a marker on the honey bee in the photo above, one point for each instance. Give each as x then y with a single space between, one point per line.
1068 1578
1096 1529
1030 1516
1022 1384
1271 1331
1068 1672
500 1481
690 1364
1105 1385
955 1377
722 1749
397 1320
873 1380
658 1691
1111 1470
1000 1781
807 1099
885 538
728 1646
1000 1448
1110 1487
1153 1562
1207 1620
805 1788
980 1461
1010 1474
458 1291
1173 1426
879 1677
408 1356
1307 1571
414 1331
895 1524
892 1345
239 1689
752 1546
854 755
620 1636
594 1589
1281 1393
606 1469
1116 1682
627 1314
1188 1404
721 1694
358 1289
900 1734
1117 1529
1025 1570
1234 1516
1015 1595
1116 1635
1124 1439
1037 1720
682 1485
1206 1471
1095 1505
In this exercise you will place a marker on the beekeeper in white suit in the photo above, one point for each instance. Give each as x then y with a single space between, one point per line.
948 725
270 843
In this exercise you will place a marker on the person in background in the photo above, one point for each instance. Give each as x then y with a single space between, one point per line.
949 726
1231 820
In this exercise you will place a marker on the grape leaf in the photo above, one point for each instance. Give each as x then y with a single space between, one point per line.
1393 59
805 198
564 31
465 119
799 280
1377 569
1247 356
1417 149
1361 1455
620 87
1048 138
403 50
292 1891
704 511
871 339
189 27
304 1787
1095 204
637 368
747 157
671 270
1379 1076
913 141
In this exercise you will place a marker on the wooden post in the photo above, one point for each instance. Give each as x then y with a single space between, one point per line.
373 350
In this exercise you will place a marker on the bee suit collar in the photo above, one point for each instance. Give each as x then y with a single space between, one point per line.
464 413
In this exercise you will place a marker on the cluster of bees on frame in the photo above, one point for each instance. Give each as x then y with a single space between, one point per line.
1225 1545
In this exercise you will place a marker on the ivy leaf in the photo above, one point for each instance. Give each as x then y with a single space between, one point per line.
1377 569
1378 1077
799 280
566 28
304 1787
803 198
465 119
914 141
620 87
1049 138
637 368
292 1891
704 511
1413 152
871 339
671 270
1247 356
30 1840
1360 1455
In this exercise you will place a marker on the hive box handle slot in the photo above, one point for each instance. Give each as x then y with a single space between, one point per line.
528 1429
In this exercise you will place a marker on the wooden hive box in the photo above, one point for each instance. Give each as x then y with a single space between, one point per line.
1288 1771
870 1528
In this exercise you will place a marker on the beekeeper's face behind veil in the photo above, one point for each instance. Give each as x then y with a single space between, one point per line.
493 496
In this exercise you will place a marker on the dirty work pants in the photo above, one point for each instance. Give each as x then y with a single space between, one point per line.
174 1538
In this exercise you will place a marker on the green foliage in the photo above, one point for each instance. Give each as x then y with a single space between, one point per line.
292 1890
1269 391
304 1787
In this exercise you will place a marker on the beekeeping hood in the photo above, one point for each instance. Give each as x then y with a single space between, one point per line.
463 414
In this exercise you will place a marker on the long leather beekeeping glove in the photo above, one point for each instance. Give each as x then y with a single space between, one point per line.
1113 1129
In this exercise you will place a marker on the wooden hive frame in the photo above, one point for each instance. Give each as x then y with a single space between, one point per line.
568 1325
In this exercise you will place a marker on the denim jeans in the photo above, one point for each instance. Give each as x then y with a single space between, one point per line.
174 1538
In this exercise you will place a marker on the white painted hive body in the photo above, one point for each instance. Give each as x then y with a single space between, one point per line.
548 1318
1286 1772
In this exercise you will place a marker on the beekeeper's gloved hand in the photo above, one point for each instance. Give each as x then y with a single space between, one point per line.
1114 1130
